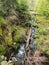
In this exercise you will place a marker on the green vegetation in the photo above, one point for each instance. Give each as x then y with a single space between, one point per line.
42 26
14 19
42 34
13 16
42 8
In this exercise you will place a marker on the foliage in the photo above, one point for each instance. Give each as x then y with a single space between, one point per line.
42 7
18 35
41 34
22 5
2 21
13 15
41 25
2 49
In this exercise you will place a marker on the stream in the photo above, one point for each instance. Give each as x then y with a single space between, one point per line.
21 52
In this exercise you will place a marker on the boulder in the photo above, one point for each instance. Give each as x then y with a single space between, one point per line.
4 63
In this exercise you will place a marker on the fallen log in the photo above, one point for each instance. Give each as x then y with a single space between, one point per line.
28 38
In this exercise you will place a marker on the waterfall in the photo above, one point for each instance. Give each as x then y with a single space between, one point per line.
21 53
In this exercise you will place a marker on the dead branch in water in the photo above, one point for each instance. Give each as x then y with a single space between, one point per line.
37 58
27 47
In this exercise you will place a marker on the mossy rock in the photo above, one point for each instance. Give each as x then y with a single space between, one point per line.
19 33
0 31
8 40
2 49
2 21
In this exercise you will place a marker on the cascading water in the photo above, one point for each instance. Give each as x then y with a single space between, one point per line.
21 53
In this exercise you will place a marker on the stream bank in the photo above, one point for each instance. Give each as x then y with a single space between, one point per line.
35 56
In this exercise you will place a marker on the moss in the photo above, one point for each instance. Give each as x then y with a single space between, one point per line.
19 33
17 37
2 49
8 40
0 31
2 21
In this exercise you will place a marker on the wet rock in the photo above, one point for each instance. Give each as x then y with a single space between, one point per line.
10 63
4 63
14 59
2 57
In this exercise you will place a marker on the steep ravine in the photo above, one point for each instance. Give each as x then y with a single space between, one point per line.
36 56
